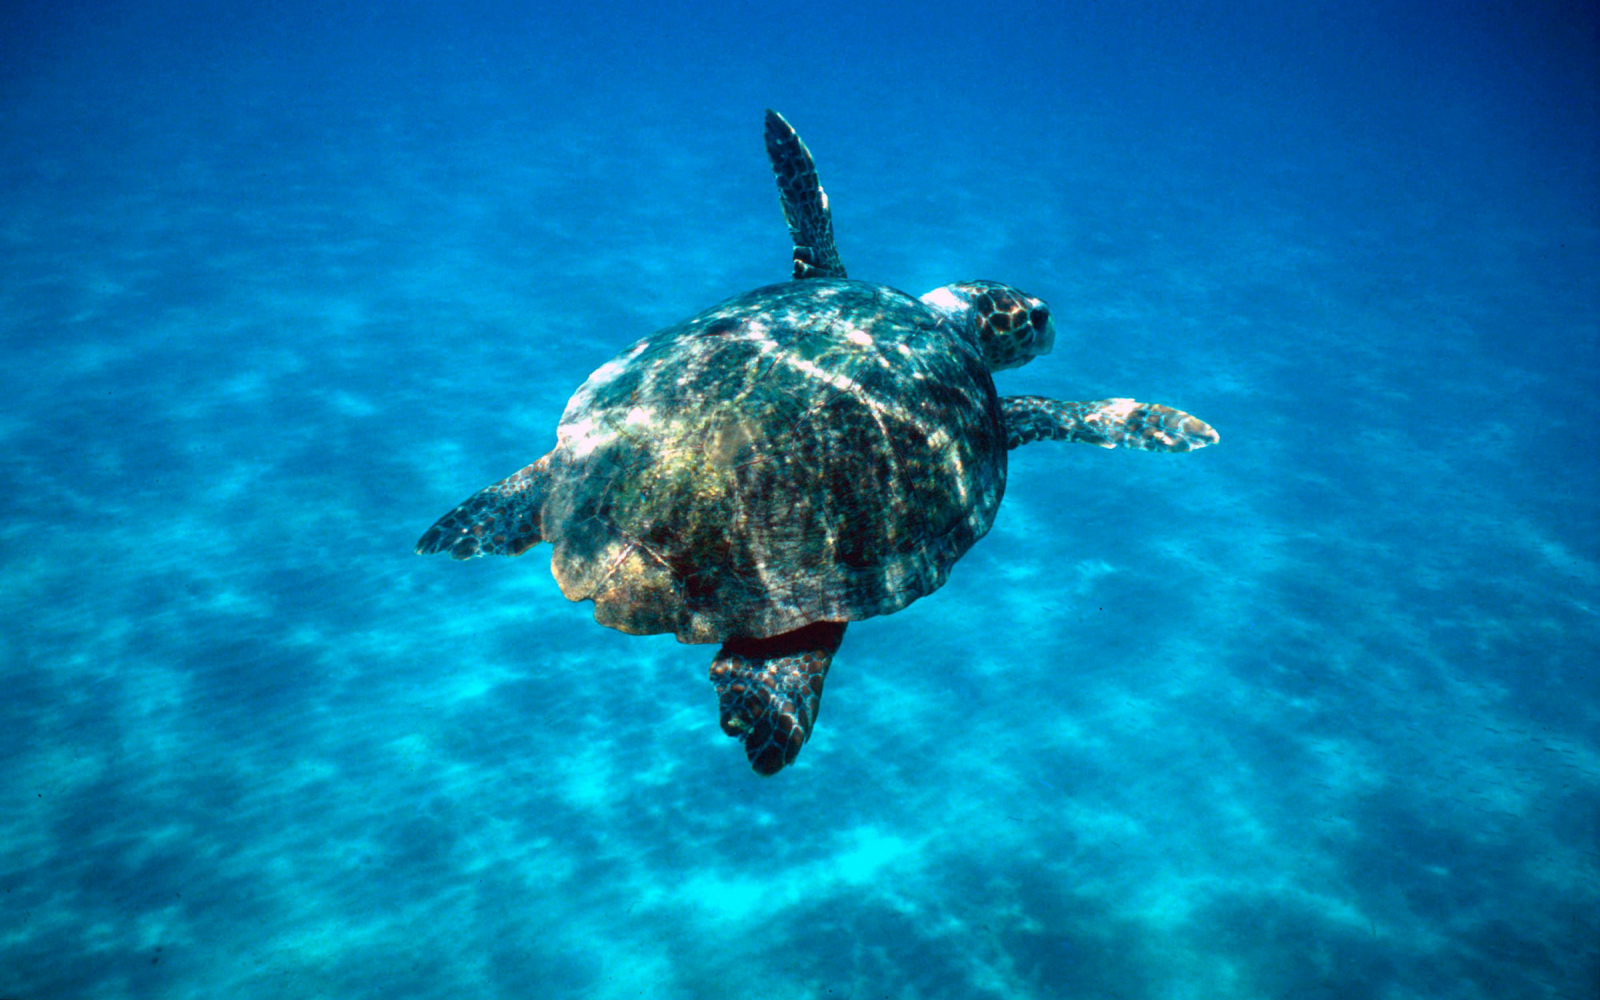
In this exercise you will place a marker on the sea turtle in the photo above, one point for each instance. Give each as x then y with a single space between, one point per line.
795 458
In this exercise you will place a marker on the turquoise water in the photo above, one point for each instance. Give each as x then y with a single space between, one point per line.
1309 714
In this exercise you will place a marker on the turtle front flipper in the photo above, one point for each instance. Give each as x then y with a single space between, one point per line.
805 204
498 520
769 690
1105 422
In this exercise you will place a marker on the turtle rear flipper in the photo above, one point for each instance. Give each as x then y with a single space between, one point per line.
805 204
1104 422
498 520
769 690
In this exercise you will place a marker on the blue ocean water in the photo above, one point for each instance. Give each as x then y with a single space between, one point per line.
1313 713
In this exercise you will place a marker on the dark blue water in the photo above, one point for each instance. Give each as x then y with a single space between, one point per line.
1313 713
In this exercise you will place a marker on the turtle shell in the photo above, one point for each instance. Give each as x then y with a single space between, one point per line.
816 450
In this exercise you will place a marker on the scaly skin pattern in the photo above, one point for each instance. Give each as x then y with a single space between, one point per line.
805 204
1104 422
769 690
498 520
1012 326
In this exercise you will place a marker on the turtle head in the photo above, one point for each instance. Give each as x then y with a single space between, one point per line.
1012 327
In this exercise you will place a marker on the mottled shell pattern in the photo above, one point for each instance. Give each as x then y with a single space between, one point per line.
815 450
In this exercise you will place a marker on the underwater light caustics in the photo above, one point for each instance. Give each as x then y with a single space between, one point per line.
804 455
